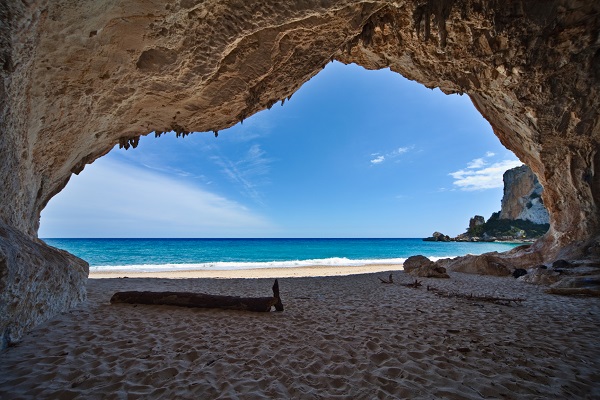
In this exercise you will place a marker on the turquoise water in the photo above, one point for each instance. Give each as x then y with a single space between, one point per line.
231 254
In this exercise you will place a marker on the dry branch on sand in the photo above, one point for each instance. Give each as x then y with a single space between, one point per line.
202 300
390 279
574 291
505 301
416 284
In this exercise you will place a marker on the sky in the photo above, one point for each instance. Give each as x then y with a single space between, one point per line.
354 153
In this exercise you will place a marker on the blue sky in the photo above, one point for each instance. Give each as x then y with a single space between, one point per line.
354 153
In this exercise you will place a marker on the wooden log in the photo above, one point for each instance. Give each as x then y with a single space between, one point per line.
202 300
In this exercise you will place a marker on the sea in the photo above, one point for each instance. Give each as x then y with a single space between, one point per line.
158 255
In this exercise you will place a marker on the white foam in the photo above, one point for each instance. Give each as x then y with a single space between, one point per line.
224 266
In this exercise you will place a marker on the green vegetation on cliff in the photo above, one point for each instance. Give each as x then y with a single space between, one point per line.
518 228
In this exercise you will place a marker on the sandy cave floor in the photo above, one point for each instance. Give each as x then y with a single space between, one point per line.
346 337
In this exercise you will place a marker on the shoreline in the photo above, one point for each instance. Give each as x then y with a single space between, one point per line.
254 273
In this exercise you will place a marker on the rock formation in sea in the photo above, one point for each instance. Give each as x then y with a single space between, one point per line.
438 237
522 215
79 77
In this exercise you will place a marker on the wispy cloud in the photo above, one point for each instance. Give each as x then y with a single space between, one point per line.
476 163
169 170
380 158
114 199
480 176
250 172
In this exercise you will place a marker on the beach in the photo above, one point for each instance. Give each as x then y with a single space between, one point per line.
254 273
340 337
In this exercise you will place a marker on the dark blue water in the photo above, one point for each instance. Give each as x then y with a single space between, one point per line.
169 254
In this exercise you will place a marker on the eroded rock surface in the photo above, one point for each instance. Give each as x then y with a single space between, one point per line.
423 267
80 77
36 281
522 197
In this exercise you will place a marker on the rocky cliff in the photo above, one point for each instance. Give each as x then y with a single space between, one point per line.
78 77
522 197
522 214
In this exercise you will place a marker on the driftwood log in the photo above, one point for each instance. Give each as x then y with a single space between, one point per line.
202 300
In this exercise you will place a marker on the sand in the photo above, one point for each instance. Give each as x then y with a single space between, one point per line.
296 272
340 337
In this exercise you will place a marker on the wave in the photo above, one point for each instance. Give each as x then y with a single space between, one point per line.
238 265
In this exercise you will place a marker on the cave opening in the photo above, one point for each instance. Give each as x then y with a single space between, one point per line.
354 153
101 77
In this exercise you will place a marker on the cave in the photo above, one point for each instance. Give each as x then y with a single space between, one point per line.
79 78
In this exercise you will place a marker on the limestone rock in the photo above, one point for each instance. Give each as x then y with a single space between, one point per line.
540 276
29 269
486 264
522 217
421 266
522 197
414 262
562 270
79 77
587 282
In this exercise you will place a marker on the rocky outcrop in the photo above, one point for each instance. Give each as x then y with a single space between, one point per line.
522 217
580 285
477 221
522 197
438 237
561 272
79 77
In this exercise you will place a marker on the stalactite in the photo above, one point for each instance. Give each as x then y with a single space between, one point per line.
126 142
440 9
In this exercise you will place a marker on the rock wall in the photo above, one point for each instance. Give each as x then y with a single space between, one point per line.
80 77
522 197
36 281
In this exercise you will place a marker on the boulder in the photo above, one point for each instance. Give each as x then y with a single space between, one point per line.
485 264
415 262
540 275
421 266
